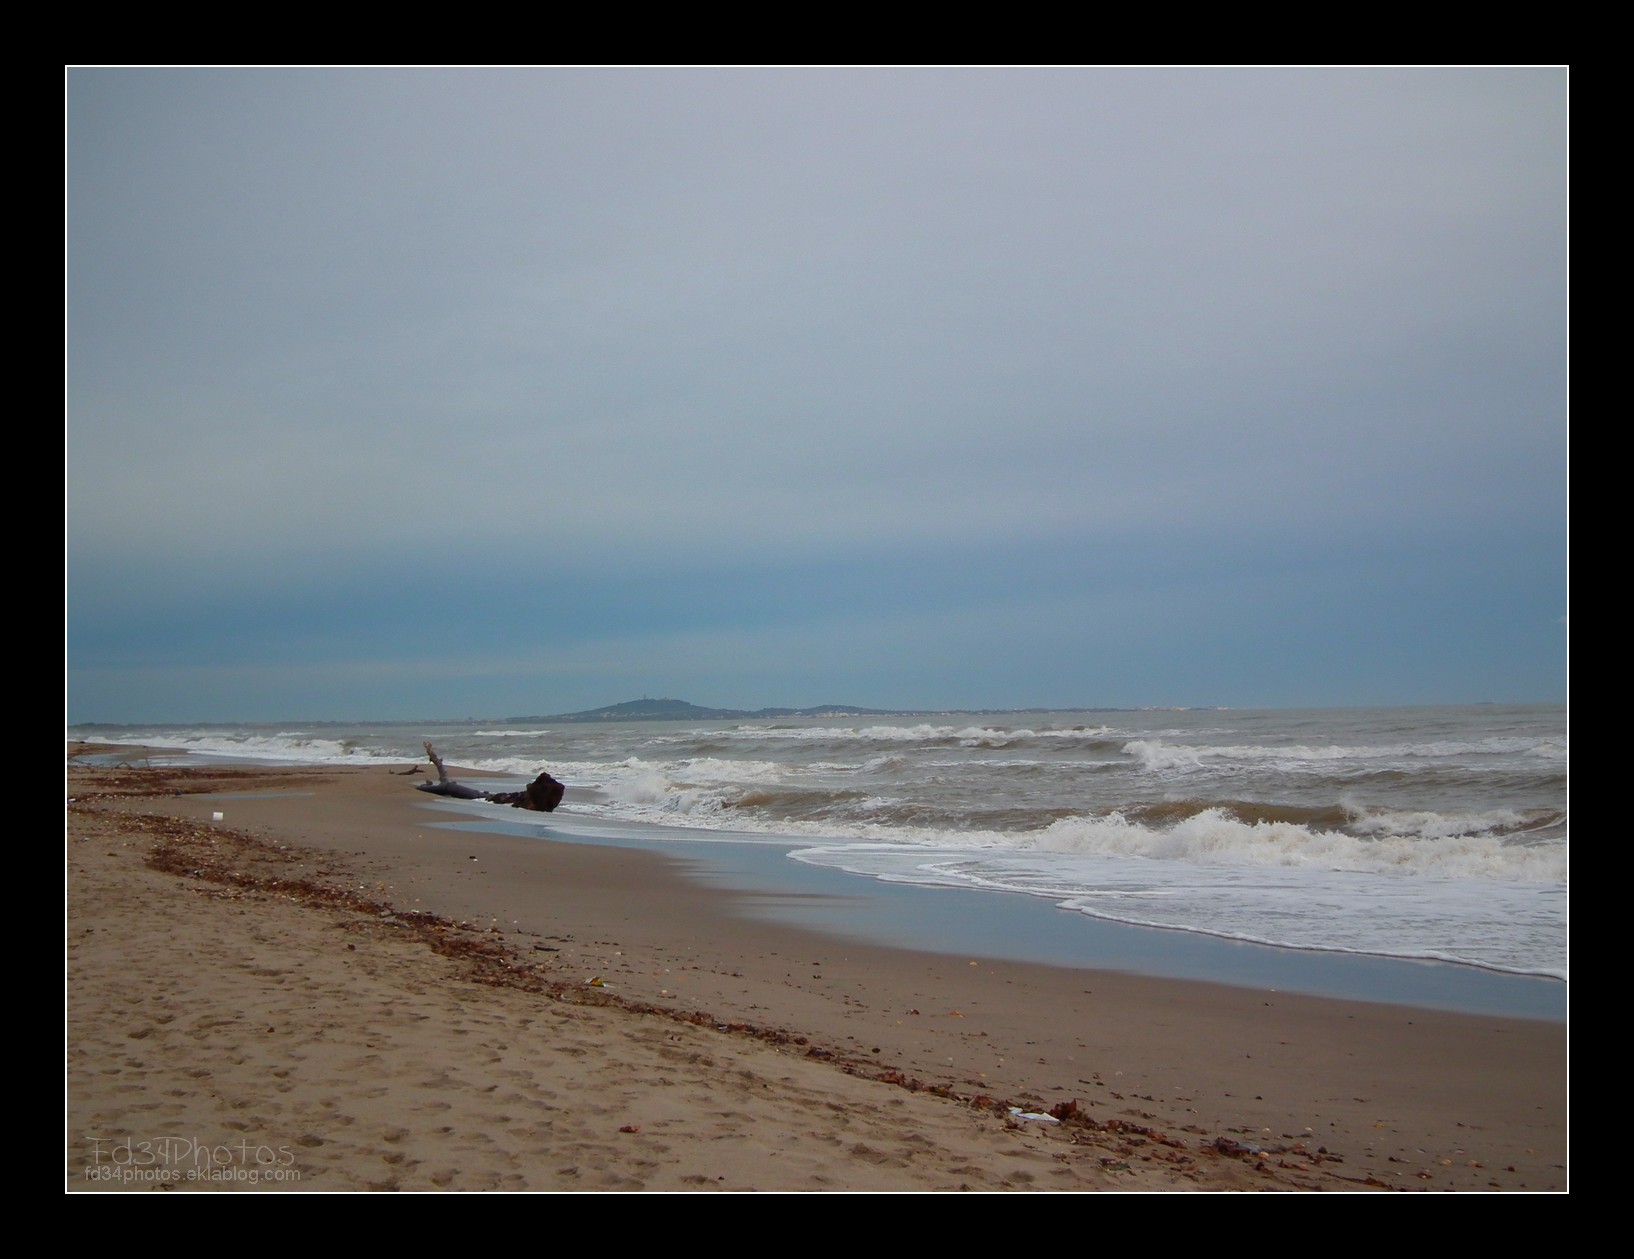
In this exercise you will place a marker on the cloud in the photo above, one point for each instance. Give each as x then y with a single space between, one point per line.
638 322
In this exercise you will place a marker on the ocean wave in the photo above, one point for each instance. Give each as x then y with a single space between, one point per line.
284 747
1476 846
1426 824
1513 926
1213 837
1158 756
926 734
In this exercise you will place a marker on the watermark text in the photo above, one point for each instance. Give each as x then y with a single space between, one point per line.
182 1160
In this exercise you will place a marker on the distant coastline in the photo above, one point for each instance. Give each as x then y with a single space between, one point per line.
681 710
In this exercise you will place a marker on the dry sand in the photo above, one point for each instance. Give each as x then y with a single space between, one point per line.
325 992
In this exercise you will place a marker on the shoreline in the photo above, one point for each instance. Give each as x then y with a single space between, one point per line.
1393 1097
1023 928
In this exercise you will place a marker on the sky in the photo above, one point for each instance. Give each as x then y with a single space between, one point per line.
418 393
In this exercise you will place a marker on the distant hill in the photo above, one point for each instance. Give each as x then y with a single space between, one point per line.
680 710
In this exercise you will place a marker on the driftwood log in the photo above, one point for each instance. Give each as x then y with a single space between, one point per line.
542 795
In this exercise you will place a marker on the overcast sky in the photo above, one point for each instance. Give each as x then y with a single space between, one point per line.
420 393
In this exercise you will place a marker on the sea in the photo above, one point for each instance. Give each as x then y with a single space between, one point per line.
1431 835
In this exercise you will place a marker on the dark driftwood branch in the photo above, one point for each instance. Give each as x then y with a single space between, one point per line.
542 795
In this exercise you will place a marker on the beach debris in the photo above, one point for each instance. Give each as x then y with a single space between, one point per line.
1031 1116
542 795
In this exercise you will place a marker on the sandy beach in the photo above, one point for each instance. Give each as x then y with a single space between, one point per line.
325 991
